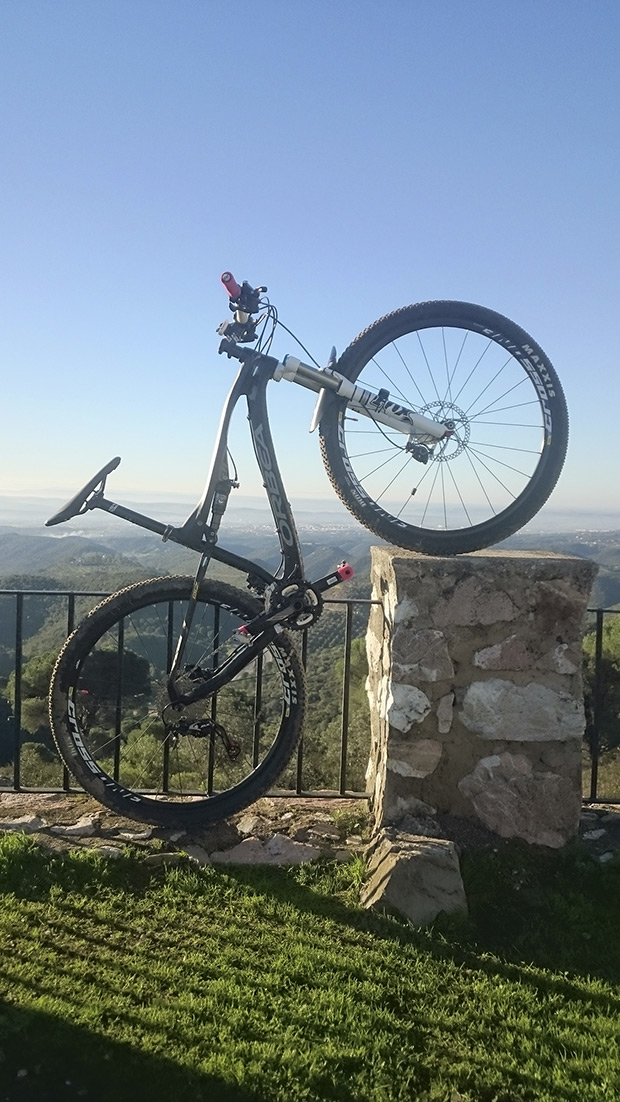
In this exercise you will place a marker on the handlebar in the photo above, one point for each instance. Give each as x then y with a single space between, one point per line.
231 285
244 298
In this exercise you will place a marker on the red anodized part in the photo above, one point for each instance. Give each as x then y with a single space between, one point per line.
345 572
231 285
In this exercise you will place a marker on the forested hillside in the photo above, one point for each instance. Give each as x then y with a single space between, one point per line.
602 548
32 562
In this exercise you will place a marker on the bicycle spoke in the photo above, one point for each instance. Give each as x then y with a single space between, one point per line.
497 435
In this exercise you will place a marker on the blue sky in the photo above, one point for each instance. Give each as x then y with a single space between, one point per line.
353 156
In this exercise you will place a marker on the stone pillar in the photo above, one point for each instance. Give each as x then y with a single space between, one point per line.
475 690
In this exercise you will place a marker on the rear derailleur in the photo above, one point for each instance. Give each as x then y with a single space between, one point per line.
203 728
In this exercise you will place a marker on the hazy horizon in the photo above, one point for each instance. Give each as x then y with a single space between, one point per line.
31 512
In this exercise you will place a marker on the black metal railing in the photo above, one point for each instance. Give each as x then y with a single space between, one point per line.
23 637
21 622
603 717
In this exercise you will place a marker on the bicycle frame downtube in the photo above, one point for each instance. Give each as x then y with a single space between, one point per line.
252 382
272 480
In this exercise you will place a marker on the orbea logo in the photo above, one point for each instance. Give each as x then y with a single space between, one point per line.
271 485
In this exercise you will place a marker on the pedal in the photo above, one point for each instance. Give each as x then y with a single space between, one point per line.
343 573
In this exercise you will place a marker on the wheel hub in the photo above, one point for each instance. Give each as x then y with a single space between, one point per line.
457 421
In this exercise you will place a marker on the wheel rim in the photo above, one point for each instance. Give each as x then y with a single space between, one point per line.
122 726
499 425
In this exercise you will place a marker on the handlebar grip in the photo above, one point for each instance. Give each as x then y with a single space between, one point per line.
231 285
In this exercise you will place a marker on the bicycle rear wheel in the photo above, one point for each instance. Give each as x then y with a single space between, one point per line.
113 725
460 363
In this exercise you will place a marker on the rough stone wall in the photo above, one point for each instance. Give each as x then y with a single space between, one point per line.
475 689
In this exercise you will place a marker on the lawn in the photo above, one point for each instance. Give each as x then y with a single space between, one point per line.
119 982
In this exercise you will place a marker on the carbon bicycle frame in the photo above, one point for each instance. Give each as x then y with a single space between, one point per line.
199 532
251 382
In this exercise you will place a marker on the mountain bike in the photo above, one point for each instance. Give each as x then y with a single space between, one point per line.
443 429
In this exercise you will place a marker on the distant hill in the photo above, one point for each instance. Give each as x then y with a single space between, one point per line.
72 562
29 560
602 548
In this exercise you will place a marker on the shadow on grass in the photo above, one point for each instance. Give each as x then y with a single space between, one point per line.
529 910
542 921
551 910
45 1059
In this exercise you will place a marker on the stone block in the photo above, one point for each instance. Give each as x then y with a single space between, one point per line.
498 709
515 801
405 705
416 758
419 877
476 690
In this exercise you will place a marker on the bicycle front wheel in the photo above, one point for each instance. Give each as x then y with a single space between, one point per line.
117 733
474 369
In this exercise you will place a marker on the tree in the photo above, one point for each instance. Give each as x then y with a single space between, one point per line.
99 683
98 688
322 739
35 682
7 732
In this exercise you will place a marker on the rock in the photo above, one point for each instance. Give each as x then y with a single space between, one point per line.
445 713
594 835
497 709
285 851
510 654
417 758
405 705
248 823
423 654
278 850
324 830
27 824
113 852
136 835
197 855
84 828
420 827
474 601
249 852
411 805
419 877
157 859
563 662
515 801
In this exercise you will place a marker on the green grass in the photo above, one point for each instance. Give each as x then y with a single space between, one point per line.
121 983
608 780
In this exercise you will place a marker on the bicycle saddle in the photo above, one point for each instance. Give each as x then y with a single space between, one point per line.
77 503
